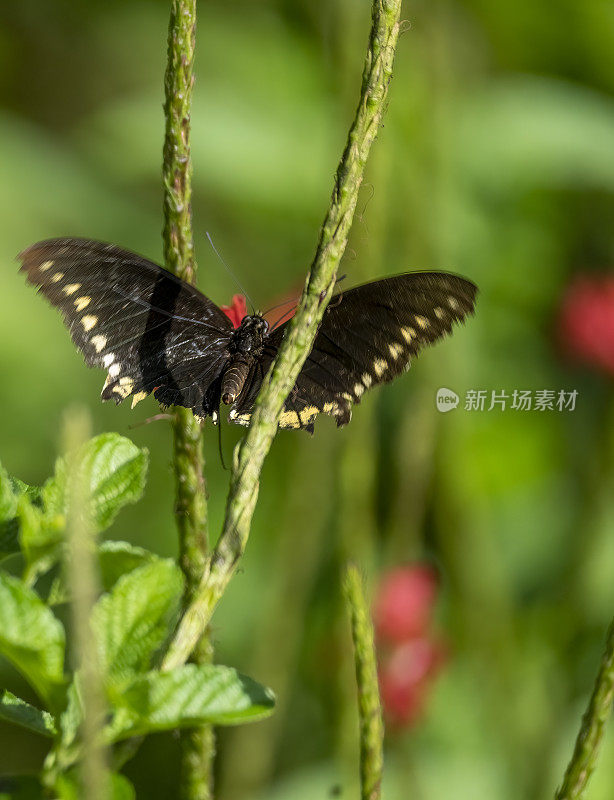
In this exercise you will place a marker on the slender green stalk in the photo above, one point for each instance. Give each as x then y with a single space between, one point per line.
584 758
81 571
369 707
188 462
251 452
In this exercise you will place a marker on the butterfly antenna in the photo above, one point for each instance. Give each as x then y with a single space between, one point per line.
230 272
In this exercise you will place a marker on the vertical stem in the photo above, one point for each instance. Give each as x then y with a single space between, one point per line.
584 758
81 569
250 453
369 707
188 461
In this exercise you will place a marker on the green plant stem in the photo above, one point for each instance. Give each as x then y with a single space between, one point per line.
81 570
586 751
369 707
188 461
252 450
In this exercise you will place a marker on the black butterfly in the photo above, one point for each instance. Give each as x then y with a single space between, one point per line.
153 332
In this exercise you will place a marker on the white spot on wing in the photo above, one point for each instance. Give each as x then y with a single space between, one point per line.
453 303
367 380
88 322
358 389
108 359
99 342
114 370
82 302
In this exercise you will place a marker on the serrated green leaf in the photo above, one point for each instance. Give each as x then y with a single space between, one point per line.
186 697
69 786
135 618
115 559
14 709
114 470
41 535
31 637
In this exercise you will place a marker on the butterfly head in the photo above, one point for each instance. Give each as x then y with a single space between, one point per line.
249 336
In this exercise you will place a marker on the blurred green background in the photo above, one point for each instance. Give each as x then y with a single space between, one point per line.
496 160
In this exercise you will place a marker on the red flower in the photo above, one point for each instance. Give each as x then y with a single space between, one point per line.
409 654
404 602
586 321
236 310
405 677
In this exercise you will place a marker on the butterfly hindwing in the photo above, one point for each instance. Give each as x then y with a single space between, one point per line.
150 330
368 336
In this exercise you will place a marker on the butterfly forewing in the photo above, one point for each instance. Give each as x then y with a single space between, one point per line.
150 330
368 336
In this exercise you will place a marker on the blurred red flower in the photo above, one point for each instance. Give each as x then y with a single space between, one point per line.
236 310
409 654
405 676
586 321
404 602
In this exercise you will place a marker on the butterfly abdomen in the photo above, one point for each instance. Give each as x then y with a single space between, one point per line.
235 377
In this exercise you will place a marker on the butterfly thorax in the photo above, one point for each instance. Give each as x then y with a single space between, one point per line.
245 347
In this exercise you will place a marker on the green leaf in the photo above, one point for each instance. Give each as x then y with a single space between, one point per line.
69 787
115 471
115 559
9 528
41 537
14 709
8 498
31 637
136 617
72 716
186 697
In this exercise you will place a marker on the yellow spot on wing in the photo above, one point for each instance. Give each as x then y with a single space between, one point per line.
367 380
330 408
395 350
57 277
408 334
88 322
71 288
380 367
124 387
45 266
82 302
99 342
439 312
308 414
422 322
289 419
138 397
453 303
358 389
